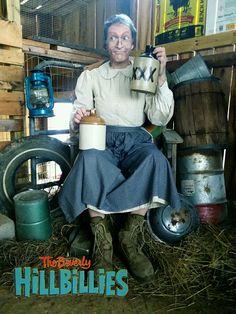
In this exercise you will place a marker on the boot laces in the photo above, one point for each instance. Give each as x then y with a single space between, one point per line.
135 238
102 245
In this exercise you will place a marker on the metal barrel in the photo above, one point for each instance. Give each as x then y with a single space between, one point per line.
201 180
32 215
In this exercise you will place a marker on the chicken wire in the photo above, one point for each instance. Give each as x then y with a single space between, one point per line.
41 18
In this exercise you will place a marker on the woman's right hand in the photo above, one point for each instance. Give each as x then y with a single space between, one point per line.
80 114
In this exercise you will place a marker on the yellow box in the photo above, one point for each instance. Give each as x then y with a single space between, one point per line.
179 19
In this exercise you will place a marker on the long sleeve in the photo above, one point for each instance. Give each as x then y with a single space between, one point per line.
108 90
84 97
160 108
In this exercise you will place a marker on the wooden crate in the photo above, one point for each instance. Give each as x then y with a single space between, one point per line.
12 109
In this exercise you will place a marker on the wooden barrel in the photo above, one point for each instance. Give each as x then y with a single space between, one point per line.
200 115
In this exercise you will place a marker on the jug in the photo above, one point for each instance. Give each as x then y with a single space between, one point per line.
92 132
145 72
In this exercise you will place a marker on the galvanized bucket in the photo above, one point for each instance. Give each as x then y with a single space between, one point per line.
201 180
32 215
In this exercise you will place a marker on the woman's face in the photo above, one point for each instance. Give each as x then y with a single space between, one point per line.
119 45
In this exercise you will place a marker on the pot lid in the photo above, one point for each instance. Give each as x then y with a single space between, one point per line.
93 119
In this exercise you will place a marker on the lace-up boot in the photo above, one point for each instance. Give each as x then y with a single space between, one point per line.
131 241
102 250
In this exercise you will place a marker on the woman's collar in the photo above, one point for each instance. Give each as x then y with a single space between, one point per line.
107 72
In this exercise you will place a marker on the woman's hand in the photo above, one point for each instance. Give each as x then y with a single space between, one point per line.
80 114
160 54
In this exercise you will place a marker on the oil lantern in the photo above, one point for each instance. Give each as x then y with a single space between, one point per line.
39 94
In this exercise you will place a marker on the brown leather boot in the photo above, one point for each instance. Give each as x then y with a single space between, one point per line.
102 249
130 241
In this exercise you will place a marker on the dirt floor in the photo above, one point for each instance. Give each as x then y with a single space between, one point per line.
91 304
9 303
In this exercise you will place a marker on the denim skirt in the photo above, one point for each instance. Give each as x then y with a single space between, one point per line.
131 174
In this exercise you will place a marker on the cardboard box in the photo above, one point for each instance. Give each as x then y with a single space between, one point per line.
221 16
179 20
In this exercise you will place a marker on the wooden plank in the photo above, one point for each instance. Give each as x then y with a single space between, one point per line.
4 136
230 159
201 43
10 34
64 94
187 55
213 61
77 52
33 43
100 18
83 59
91 25
220 50
13 11
144 23
11 96
3 144
5 85
85 49
10 86
225 75
13 56
11 125
10 73
34 49
11 108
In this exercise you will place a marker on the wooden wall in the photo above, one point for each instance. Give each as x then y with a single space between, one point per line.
88 21
12 111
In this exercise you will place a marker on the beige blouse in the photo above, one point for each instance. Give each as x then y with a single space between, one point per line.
108 90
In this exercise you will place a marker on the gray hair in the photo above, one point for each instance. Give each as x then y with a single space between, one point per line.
120 19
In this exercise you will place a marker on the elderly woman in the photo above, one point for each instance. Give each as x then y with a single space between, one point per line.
131 175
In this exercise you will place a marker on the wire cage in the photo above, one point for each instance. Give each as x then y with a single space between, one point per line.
53 19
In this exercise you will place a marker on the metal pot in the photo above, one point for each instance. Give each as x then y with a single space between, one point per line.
92 132
168 225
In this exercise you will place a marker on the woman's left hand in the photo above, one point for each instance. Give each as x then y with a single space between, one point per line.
160 54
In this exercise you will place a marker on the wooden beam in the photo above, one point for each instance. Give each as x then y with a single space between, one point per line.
11 86
201 43
213 61
78 58
78 52
3 144
12 56
13 11
195 44
85 49
8 125
10 73
11 108
11 96
10 34
33 43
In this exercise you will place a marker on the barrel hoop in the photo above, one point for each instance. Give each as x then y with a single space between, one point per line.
201 133
211 79
198 93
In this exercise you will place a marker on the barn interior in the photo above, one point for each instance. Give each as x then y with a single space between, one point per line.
60 39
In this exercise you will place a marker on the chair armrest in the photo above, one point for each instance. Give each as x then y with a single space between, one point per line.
172 137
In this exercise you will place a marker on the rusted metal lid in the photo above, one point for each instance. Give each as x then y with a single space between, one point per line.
93 119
